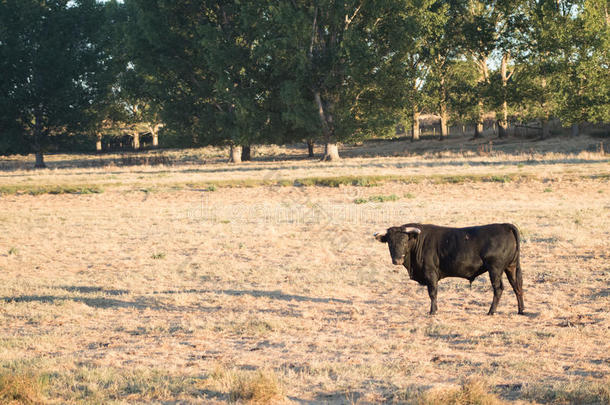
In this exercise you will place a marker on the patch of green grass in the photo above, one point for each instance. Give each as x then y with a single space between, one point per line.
548 190
377 198
358 181
455 179
409 195
338 181
157 256
13 251
58 189
578 392
90 384
252 327
500 179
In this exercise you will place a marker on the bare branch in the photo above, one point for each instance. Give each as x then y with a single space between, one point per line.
313 32
348 20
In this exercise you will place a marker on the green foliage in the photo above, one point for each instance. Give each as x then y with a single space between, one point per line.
242 73
52 68
209 68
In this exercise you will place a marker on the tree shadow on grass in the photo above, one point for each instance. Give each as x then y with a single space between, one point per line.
277 295
96 302
92 289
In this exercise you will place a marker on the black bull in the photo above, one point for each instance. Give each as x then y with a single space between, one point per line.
431 253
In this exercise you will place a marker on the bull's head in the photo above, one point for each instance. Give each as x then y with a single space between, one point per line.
399 240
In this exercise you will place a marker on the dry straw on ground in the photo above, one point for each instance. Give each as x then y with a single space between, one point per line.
149 292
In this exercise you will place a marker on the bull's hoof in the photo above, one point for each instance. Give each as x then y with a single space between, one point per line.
490 313
521 312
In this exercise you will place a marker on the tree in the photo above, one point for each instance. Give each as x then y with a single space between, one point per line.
443 43
547 29
335 61
463 89
208 61
416 25
583 80
52 69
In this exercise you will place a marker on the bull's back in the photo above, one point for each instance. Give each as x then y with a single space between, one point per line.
497 243
465 251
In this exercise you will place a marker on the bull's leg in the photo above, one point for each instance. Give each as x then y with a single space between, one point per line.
496 282
432 289
511 274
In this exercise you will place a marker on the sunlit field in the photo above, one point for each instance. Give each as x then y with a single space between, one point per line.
174 277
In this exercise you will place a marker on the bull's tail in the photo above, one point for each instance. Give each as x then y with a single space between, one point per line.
518 272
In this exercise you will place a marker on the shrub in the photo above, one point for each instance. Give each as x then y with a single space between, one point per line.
261 387
470 393
21 389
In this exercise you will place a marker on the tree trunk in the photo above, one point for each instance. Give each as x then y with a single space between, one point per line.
38 135
575 129
136 140
40 161
331 149
415 125
235 154
478 129
155 137
502 129
484 74
546 128
98 141
154 130
246 153
544 122
444 122
443 108
310 144
331 152
503 122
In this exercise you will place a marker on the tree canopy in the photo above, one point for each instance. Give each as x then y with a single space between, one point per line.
241 73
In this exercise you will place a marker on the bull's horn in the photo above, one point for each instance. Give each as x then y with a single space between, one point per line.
411 229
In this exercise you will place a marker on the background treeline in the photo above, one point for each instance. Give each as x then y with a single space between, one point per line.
79 73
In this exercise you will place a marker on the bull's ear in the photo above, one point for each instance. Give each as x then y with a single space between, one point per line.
410 229
381 237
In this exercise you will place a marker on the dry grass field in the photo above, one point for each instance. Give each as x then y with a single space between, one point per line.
171 277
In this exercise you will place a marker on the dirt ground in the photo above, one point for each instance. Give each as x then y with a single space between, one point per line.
143 293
